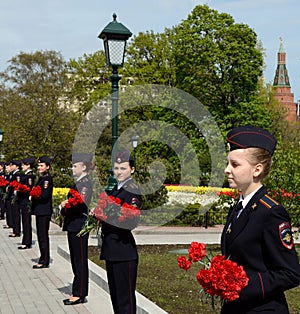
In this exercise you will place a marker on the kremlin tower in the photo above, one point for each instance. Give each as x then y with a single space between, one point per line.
283 88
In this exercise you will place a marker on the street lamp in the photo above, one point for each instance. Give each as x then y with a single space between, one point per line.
134 142
1 140
115 36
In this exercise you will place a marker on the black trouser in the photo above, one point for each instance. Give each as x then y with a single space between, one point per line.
122 283
15 208
42 230
78 247
2 205
26 225
9 215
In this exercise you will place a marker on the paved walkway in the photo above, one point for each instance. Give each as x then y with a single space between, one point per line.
25 290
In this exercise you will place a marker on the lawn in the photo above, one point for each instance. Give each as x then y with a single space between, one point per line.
173 289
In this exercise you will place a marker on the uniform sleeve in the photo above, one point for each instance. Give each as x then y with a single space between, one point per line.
280 257
47 187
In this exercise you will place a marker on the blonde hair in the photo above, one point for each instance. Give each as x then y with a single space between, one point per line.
260 156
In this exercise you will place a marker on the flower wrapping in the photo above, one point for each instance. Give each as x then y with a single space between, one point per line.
219 276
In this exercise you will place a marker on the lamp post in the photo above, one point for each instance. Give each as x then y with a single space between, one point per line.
115 36
134 142
1 140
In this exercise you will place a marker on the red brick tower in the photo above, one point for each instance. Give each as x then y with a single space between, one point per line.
282 86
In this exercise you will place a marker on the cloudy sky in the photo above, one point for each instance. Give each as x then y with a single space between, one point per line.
72 26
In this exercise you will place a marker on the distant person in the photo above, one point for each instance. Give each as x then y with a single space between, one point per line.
6 199
15 167
2 203
42 209
74 218
257 234
23 199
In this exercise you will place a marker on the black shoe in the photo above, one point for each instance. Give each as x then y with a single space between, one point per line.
6 227
78 301
14 235
39 266
24 247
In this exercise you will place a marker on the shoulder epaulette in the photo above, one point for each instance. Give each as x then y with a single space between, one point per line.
268 201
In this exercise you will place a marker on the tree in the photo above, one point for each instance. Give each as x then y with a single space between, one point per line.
150 59
35 119
217 61
88 80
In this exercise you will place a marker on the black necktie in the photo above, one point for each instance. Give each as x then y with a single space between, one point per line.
237 207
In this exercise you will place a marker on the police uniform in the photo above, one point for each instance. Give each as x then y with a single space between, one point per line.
42 209
2 203
119 249
23 200
7 204
74 219
14 205
260 240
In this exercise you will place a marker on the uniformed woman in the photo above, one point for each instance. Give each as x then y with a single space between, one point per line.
257 234
42 209
23 200
74 213
118 247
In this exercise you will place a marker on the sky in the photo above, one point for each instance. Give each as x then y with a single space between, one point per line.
72 26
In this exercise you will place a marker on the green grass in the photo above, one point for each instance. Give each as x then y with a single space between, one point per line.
173 289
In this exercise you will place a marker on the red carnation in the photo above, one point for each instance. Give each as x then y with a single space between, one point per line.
197 251
75 200
224 278
3 182
36 192
184 263
129 212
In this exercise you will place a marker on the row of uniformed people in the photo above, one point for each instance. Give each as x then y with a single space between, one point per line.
17 205
119 247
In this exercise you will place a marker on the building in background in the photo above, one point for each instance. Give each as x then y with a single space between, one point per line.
282 86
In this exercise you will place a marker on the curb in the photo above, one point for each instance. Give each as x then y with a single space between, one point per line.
98 276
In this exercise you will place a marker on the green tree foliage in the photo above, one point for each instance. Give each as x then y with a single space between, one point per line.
150 59
34 115
218 62
88 80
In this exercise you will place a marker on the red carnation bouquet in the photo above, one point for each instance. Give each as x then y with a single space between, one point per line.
22 188
36 192
3 183
219 276
111 210
18 187
75 200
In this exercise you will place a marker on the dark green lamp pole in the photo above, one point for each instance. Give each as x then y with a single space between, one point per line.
134 142
1 140
115 36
